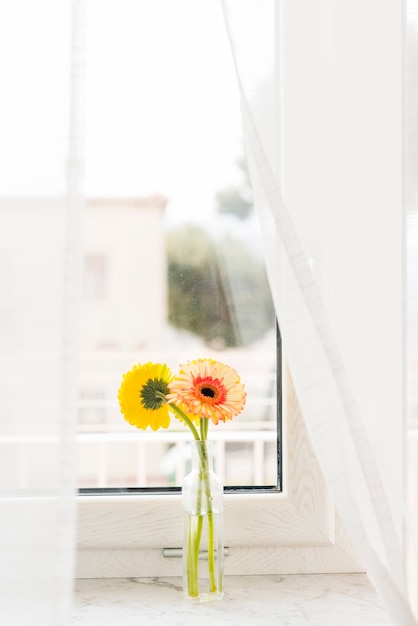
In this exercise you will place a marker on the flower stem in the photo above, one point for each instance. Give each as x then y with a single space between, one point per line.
211 552
204 423
187 419
195 525
193 540
211 538
205 476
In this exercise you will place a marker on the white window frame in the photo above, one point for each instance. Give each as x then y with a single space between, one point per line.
294 531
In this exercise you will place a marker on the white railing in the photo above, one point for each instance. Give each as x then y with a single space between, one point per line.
174 457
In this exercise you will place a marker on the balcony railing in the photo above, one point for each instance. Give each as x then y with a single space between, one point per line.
252 457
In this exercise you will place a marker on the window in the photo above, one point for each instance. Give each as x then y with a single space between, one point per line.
289 530
173 261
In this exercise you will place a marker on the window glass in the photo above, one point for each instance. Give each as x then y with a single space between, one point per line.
173 262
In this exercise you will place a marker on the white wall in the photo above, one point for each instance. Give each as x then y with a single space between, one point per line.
342 180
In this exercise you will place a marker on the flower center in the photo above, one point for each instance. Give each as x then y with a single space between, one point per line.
151 394
208 392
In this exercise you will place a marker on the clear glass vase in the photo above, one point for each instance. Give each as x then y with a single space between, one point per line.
203 550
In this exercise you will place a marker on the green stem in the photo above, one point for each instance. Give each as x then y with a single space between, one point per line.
211 537
204 423
211 552
195 526
187 419
191 577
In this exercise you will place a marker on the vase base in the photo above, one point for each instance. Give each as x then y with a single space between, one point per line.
205 597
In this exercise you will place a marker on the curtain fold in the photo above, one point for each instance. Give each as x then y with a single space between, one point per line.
321 94
40 212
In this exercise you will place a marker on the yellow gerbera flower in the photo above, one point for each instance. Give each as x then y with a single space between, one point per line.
206 388
141 395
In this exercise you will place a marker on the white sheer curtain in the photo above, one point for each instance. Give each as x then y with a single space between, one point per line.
324 120
322 103
40 176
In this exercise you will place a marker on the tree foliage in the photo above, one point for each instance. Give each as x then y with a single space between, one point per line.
231 200
237 200
217 290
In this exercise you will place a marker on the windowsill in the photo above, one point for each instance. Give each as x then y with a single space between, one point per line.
314 599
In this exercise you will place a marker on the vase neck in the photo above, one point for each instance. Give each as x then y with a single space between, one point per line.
202 455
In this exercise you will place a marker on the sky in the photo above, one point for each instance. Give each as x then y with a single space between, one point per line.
160 110
163 112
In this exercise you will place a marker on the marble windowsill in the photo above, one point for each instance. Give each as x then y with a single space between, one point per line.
298 600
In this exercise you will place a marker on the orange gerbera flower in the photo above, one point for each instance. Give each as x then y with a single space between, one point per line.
206 388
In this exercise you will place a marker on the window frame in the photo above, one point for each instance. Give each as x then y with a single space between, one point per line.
292 531
295 530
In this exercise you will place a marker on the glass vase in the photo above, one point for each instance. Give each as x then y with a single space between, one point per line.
203 550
